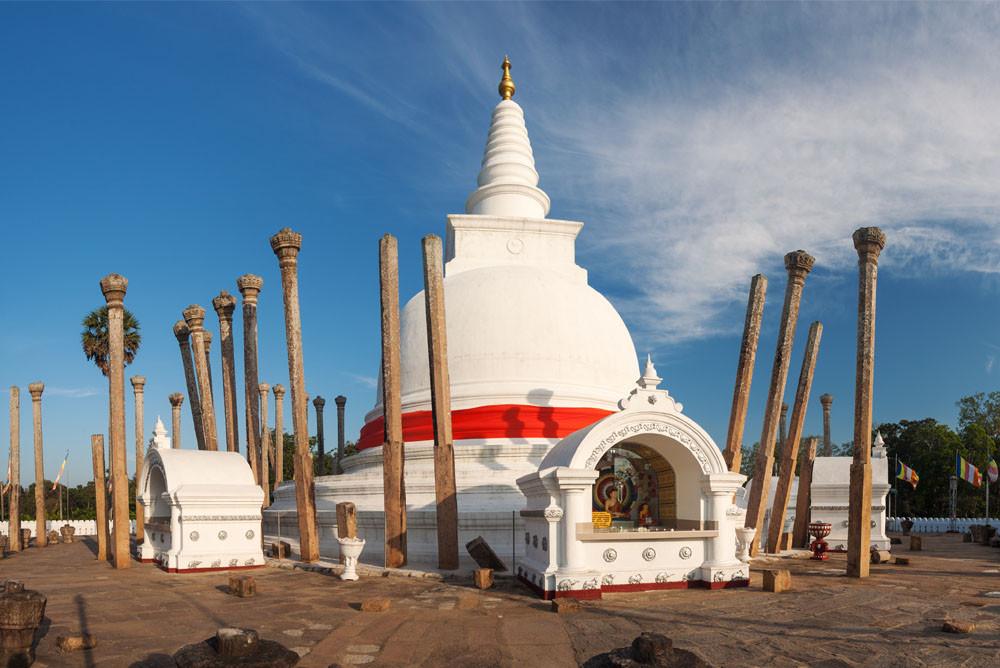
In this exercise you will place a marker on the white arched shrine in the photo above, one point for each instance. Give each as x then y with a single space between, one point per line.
672 520
203 510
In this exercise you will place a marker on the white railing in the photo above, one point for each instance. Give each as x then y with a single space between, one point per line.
83 527
937 524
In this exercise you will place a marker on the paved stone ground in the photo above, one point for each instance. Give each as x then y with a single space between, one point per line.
142 615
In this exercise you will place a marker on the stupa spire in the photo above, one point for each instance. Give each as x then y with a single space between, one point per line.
508 182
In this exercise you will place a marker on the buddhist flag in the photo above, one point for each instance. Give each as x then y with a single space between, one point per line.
905 473
62 469
6 484
991 470
967 472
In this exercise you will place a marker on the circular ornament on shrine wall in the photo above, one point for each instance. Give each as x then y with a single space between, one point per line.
249 534
194 536
685 552
610 555
223 535
515 246
649 554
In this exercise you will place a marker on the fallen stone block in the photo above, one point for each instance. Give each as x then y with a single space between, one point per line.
483 554
777 580
650 649
52 537
235 647
76 643
958 627
243 586
895 541
280 550
347 520
902 561
916 543
375 605
565 606
483 577
881 556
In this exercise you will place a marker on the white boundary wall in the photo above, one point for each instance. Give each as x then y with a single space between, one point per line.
937 524
83 527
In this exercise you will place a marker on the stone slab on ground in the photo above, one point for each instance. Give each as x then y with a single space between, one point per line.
777 580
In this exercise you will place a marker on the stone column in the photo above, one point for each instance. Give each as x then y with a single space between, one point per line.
393 456
286 245
14 540
183 335
138 387
744 372
176 399
207 335
341 401
36 390
827 401
100 495
319 402
250 286
783 424
114 286
790 449
194 316
279 434
798 263
803 498
265 444
225 305
444 448
869 242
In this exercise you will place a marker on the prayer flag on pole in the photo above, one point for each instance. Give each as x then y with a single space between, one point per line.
967 472
62 469
6 483
991 470
905 473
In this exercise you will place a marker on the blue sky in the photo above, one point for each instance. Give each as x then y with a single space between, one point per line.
699 143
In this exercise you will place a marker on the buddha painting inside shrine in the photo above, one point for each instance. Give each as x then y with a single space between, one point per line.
635 486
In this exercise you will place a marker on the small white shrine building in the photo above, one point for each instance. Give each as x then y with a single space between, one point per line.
202 509
663 488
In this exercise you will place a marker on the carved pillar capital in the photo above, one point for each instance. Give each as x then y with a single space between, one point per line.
36 390
279 391
138 384
181 331
114 286
194 316
224 306
250 286
340 400
319 402
176 399
869 242
286 245
826 400
798 264
263 388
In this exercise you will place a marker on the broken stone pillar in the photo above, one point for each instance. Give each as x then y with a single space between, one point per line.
114 286
319 402
783 425
207 336
803 497
176 399
869 242
36 390
286 245
138 391
444 449
235 647
265 445
194 316
224 306
798 263
744 372
341 401
279 434
392 447
100 495
183 335
250 286
21 613
827 401
347 520
790 449
15 470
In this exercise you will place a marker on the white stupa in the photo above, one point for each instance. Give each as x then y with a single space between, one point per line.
534 354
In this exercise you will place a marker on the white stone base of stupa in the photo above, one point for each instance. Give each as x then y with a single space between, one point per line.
489 501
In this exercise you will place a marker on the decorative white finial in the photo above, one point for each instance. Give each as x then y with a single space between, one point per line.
160 438
878 446
649 379
508 182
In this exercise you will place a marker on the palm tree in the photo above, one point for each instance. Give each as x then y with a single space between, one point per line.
95 337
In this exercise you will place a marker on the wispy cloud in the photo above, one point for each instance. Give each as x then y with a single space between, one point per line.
368 381
72 392
990 361
703 142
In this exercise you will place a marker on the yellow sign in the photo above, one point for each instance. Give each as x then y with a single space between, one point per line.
601 520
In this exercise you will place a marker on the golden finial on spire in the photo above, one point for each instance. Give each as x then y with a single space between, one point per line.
506 86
